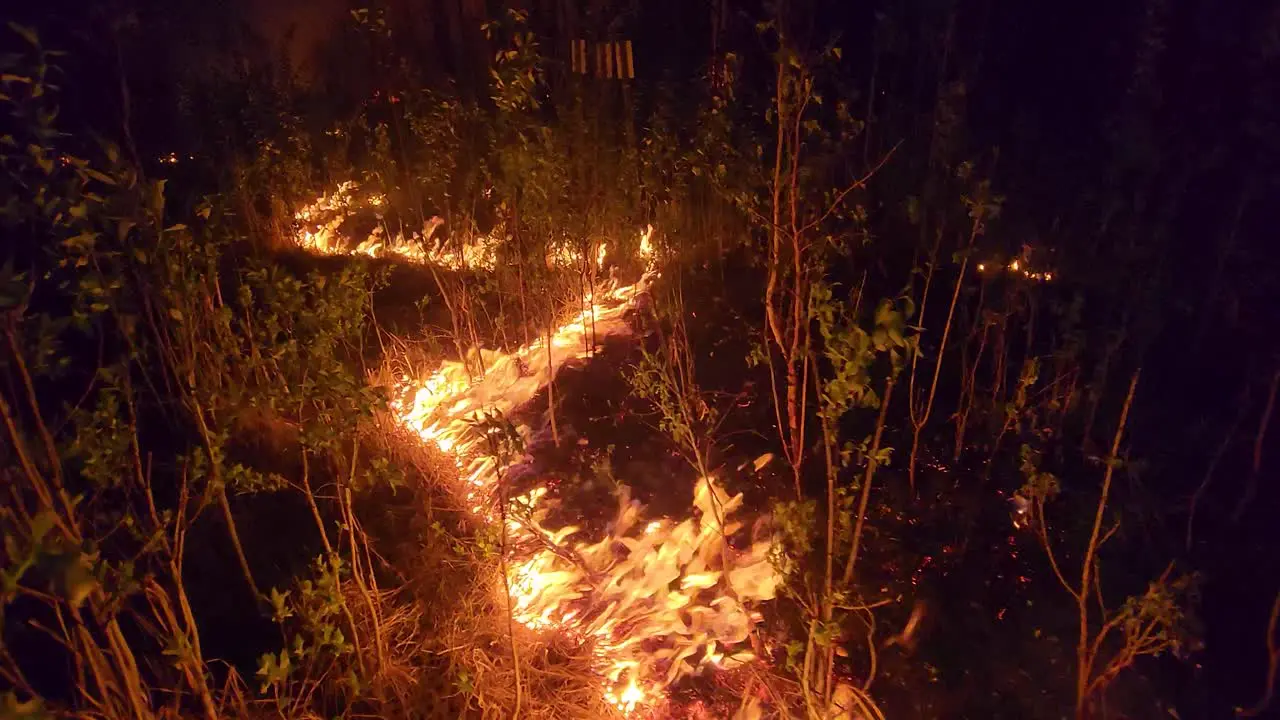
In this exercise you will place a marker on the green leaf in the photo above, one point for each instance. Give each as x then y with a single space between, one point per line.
78 580
13 709
157 196
895 335
37 153
100 177
41 524
278 605
82 242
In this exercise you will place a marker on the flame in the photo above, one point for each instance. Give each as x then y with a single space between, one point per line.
319 231
654 601
646 247
319 225
1017 267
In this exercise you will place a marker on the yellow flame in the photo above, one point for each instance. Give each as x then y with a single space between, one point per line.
655 601
616 593
646 247
319 225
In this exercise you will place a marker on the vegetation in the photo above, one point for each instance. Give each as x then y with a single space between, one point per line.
318 372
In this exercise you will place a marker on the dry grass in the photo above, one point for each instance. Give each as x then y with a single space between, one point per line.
464 665
557 677
457 659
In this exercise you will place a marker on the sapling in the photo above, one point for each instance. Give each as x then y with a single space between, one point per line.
1146 624
982 207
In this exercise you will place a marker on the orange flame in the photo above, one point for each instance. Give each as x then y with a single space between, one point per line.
319 231
656 601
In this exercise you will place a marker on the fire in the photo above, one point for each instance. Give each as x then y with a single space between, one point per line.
319 231
628 699
656 600
1018 267
646 247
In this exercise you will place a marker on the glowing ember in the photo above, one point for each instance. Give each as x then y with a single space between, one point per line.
1018 267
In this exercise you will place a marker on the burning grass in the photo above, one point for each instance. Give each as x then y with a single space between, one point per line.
579 626
652 602
324 228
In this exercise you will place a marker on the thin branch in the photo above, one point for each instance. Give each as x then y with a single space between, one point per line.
867 477
1083 661
1273 664
860 182
1218 452
1048 549
1251 487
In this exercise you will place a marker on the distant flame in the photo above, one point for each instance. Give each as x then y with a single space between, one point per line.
320 221
1018 267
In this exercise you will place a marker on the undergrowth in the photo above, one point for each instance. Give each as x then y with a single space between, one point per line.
161 383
